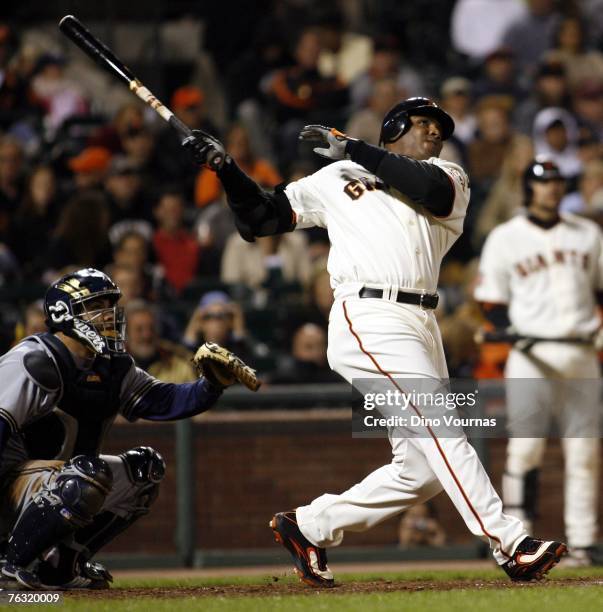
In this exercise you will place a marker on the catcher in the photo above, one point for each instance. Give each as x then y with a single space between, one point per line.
61 499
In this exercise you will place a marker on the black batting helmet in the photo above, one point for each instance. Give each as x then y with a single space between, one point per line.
539 169
397 121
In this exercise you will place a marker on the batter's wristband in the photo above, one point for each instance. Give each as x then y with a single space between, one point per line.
365 154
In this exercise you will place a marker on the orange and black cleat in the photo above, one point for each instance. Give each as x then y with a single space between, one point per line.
533 559
310 560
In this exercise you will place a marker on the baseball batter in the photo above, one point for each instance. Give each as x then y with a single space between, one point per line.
540 273
391 213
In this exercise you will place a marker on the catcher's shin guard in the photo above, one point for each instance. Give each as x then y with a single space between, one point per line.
75 497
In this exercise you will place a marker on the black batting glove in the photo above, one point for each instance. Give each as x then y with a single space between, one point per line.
207 150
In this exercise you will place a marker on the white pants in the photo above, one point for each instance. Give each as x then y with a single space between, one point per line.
375 338
570 396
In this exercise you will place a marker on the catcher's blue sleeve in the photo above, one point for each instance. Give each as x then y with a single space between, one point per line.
143 396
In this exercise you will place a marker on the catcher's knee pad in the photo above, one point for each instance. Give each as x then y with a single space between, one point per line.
144 465
146 469
82 486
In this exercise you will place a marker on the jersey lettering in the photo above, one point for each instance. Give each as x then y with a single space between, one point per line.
358 187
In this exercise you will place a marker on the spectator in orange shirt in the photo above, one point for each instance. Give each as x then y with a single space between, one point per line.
175 247
208 187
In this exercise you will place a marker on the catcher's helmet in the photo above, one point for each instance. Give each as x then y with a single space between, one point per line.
539 169
397 121
67 307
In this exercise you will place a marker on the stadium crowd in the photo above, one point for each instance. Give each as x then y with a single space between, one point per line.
90 177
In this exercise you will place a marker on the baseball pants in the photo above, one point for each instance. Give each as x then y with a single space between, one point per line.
376 338
556 384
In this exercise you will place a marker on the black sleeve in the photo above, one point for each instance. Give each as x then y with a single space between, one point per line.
423 183
257 212
497 314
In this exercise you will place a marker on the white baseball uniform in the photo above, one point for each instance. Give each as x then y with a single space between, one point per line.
381 239
548 278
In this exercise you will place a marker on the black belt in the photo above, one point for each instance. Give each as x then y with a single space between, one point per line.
424 300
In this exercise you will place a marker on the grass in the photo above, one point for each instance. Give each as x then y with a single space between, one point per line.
507 598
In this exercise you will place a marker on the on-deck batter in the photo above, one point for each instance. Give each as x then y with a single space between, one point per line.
391 213
540 273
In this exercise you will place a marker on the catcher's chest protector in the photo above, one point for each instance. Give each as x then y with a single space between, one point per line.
88 405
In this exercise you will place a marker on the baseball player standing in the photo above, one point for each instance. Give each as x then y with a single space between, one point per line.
391 213
61 500
540 273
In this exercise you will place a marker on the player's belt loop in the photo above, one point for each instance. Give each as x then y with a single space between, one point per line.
425 301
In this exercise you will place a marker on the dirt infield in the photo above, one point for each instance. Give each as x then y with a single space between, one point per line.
275 589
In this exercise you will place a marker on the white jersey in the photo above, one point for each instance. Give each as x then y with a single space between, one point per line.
379 237
548 277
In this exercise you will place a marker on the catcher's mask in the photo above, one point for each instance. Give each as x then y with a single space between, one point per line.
83 305
539 169
397 121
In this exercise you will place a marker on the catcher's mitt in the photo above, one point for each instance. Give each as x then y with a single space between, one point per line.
223 368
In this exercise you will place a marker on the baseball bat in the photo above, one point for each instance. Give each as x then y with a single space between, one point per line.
74 30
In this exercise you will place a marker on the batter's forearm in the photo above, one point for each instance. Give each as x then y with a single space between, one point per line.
423 183
257 212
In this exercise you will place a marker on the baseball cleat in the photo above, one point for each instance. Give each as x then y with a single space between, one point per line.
533 559
310 560
23 579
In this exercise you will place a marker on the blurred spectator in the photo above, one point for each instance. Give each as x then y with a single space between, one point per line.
208 187
494 138
139 148
218 319
110 136
499 76
570 50
419 527
478 26
556 137
307 363
588 200
507 194
33 321
61 96
11 182
267 262
90 167
531 35
131 283
17 100
345 54
460 348
214 225
176 163
385 64
320 294
456 99
299 95
365 124
300 89
132 250
80 238
34 222
175 246
588 105
162 359
124 188
550 88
